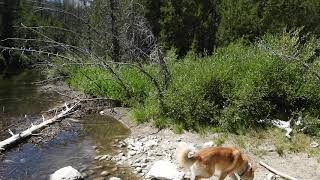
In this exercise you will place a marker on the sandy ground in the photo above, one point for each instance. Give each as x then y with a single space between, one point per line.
300 166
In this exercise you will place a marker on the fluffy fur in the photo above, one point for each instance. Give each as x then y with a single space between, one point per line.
204 162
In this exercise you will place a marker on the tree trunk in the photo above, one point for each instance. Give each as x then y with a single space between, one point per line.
115 31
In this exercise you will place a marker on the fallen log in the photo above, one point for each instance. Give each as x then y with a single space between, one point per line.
283 175
15 138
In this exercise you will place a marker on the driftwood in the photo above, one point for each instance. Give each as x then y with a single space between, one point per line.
276 171
16 138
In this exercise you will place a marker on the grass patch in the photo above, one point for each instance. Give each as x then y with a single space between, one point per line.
272 139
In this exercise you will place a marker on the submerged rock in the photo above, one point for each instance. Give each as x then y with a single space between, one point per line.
165 170
66 173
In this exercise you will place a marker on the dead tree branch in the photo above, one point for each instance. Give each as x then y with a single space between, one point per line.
276 171
15 138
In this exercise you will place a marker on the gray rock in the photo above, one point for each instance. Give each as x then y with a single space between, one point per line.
66 173
22 160
84 175
90 172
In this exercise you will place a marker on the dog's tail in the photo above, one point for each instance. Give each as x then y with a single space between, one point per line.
185 156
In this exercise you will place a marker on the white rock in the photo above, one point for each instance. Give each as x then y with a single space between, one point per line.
165 170
66 173
139 169
115 178
103 157
132 153
97 157
151 143
314 144
104 173
208 144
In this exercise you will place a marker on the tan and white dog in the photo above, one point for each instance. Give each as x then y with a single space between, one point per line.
205 162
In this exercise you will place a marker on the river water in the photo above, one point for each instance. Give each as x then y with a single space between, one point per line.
77 146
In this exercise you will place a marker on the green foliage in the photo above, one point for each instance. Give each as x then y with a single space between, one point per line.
204 24
251 19
232 90
188 25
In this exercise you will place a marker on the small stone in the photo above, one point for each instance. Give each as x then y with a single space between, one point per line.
23 160
208 144
139 169
84 175
144 160
83 169
314 144
97 167
104 173
103 157
115 178
90 172
114 169
132 153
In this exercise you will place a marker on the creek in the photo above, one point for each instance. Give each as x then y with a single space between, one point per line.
76 146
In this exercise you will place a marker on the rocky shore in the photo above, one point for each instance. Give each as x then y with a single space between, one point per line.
150 153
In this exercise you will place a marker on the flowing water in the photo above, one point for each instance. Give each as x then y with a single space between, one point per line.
75 147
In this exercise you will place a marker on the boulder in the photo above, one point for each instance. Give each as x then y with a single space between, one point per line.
66 173
165 170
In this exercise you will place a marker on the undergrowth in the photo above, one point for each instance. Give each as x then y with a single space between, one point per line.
231 90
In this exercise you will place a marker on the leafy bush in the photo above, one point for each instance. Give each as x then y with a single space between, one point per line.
231 90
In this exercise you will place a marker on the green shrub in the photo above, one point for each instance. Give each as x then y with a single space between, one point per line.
231 90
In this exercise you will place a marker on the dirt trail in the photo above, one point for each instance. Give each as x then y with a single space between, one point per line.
300 166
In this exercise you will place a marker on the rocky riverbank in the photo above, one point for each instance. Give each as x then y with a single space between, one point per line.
147 147
148 152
